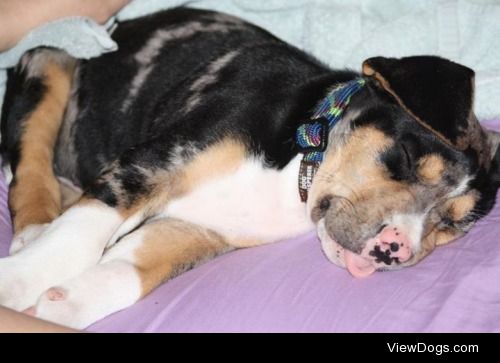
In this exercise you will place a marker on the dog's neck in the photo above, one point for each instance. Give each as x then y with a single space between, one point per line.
312 135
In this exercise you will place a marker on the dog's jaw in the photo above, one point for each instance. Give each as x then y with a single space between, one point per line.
389 249
333 251
357 265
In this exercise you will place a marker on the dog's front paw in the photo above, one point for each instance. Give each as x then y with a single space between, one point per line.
26 236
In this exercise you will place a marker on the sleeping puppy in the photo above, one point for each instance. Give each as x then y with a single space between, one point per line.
203 134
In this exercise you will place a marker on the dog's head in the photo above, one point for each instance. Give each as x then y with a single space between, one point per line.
408 168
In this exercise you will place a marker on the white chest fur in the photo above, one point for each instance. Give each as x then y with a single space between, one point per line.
252 205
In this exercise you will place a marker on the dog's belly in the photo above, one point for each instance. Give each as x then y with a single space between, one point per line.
251 206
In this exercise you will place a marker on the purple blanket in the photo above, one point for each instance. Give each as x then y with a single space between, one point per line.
290 286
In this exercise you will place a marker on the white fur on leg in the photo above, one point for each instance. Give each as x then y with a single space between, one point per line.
98 292
72 243
111 286
26 236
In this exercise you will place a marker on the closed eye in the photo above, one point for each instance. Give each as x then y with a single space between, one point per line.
447 222
407 157
400 160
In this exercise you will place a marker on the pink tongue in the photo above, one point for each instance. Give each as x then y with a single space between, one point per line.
357 265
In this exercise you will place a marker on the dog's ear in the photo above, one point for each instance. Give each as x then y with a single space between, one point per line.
435 91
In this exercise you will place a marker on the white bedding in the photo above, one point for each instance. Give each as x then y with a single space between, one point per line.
341 33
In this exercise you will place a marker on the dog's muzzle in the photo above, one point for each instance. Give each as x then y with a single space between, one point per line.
388 249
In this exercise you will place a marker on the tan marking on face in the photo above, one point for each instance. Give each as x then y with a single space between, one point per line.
456 208
431 168
170 247
35 197
460 206
436 237
446 236
363 191
220 159
349 169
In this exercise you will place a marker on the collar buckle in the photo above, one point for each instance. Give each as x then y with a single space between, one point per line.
312 136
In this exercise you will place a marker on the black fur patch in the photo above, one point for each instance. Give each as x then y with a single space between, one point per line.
439 92
259 97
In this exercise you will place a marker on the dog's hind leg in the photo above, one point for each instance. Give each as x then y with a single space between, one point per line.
130 192
142 260
37 96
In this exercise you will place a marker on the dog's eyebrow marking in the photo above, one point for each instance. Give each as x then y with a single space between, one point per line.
207 79
461 206
147 54
431 168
